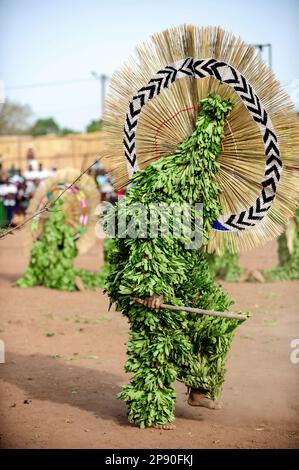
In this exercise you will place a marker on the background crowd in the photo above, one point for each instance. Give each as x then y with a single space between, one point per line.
17 188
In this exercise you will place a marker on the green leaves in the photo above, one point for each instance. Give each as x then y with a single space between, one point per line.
167 345
226 266
288 267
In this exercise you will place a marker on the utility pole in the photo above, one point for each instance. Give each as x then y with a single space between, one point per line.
102 79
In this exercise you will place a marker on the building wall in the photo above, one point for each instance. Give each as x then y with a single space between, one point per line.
75 150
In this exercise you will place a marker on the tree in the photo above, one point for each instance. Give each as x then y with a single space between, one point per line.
94 126
66 131
45 126
15 118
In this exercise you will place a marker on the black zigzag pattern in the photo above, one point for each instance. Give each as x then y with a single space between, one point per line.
201 68
163 79
187 67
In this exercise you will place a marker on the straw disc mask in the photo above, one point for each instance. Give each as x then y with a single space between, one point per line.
153 105
79 204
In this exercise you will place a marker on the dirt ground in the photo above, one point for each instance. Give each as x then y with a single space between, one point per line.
65 356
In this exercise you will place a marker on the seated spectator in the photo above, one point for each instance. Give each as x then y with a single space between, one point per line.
36 182
3 174
18 218
12 171
31 157
101 178
17 178
120 193
9 195
3 218
43 174
22 199
29 189
31 174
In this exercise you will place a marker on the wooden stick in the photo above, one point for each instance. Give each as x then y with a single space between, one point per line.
200 311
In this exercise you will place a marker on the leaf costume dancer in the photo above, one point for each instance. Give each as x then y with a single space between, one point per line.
57 236
186 122
288 253
108 247
225 266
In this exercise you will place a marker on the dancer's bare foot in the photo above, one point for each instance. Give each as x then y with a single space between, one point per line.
245 276
165 427
198 398
257 276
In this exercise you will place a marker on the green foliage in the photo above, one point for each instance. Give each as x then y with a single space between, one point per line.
288 267
49 126
44 127
108 247
3 217
67 131
94 126
225 266
165 345
52 258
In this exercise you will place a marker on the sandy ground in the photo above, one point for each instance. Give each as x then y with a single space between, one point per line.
64 367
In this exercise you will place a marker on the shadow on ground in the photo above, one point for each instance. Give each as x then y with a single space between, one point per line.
45 378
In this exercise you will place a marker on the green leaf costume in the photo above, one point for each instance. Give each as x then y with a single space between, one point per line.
52 258
288 253
225 266
166 345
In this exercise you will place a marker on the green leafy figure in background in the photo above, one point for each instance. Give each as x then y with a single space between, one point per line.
108 247
52 258
225 266
166 345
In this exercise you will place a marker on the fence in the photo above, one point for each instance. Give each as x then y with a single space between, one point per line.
74 150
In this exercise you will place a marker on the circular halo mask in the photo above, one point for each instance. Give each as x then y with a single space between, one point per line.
173 71
79 204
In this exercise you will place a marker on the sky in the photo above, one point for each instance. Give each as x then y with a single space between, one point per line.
42 42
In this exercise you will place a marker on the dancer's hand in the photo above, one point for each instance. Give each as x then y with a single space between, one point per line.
154 301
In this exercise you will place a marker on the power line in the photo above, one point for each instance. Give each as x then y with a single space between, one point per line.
103 78
74 108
